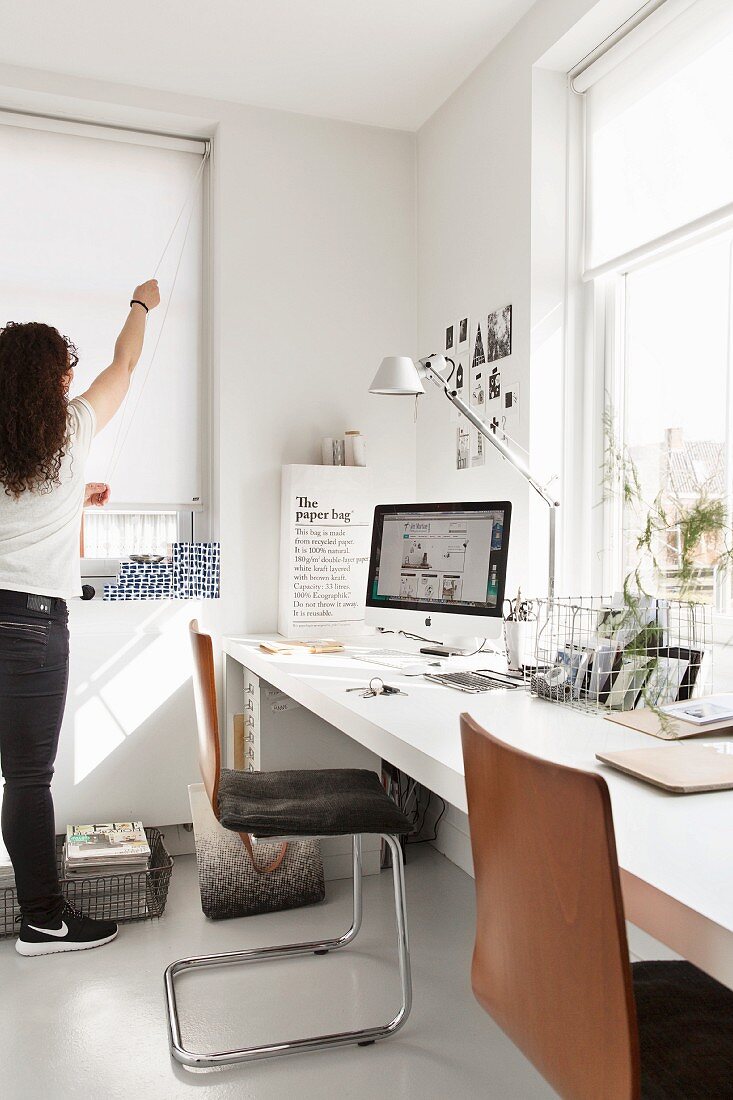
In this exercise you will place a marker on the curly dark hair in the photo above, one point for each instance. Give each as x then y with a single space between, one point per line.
34 360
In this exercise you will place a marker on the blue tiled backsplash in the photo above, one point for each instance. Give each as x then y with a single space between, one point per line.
193 573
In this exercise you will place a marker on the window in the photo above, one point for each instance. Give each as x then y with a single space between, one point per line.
658 261
115 534
86 215
676 383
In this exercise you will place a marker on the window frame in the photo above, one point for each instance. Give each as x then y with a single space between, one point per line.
609 333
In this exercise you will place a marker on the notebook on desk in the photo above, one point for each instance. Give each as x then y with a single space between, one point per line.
681 769
648 721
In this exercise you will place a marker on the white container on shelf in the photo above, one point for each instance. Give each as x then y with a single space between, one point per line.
355 449
339 452
332 452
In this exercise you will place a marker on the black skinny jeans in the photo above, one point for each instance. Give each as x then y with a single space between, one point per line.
34 673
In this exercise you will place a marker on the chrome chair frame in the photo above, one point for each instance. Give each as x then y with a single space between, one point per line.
362 1036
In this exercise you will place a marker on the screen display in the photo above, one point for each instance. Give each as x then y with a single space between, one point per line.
440 557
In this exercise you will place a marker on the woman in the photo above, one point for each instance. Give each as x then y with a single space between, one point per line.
44 442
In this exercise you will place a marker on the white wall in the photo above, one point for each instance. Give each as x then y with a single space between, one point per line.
476 250
314 280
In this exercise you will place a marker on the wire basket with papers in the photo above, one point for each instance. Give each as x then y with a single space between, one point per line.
125 895
617 654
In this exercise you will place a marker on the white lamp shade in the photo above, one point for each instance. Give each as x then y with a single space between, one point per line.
397 375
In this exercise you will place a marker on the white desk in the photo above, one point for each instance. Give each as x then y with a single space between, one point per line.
675 852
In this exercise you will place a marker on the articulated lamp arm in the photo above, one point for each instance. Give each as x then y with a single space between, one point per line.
429 371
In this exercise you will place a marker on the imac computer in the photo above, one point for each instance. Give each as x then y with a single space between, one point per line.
440 570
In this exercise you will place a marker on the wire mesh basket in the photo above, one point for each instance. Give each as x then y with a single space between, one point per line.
131 896
610 653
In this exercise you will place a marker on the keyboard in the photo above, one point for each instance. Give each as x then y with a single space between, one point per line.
396 659
472 682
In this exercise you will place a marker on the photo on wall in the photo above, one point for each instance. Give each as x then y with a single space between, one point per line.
494 383
463 445
511 399
478 360
478 448
460 379
450 339
478 393
499 334
463 334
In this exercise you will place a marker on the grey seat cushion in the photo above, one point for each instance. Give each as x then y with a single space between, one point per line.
327 802
685 1023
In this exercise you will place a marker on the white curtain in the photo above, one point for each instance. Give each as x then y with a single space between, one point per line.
659 134
116 535
84 217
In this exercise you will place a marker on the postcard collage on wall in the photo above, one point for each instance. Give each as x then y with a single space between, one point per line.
477 353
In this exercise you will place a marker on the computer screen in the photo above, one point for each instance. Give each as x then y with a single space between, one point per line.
440 557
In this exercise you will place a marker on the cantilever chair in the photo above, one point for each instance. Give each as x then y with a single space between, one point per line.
356 804
551 961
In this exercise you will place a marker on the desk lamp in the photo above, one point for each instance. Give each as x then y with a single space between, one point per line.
400 375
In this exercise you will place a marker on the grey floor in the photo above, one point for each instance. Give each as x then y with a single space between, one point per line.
91 1025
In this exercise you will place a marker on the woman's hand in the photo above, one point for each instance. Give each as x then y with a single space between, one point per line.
96 494
148 293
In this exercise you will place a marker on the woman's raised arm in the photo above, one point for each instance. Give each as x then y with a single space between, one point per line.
108 390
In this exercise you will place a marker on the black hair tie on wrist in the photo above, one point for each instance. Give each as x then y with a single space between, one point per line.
137 302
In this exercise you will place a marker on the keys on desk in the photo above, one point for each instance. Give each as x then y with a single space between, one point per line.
376 687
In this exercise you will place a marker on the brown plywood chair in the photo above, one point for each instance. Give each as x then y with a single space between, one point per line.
207 727
551 961
283 807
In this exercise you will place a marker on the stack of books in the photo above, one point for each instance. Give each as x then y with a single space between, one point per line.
114 848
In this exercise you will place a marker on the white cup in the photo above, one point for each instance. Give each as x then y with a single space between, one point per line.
518 638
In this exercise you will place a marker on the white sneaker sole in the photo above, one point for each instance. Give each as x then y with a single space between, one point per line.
30 949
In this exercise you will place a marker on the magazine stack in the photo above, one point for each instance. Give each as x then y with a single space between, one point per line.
114 848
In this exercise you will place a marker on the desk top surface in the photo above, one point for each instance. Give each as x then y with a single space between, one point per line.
681 844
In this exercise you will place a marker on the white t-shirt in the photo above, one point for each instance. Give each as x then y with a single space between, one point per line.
39 531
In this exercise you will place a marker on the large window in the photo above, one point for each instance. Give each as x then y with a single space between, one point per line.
674 374
658 262
87 213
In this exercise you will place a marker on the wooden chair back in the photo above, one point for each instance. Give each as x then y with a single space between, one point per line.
551 962
207 715
207 721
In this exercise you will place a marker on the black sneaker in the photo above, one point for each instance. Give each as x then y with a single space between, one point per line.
73 932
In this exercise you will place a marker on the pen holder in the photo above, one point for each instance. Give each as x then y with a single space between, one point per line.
518 637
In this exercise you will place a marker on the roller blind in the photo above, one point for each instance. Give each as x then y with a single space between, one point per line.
85 215
659 135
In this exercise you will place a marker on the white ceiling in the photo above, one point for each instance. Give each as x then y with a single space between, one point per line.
385 62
